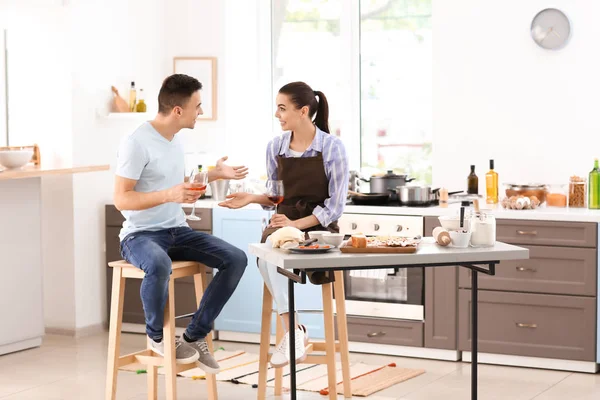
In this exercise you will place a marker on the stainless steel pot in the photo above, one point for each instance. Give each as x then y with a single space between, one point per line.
388 183
416 195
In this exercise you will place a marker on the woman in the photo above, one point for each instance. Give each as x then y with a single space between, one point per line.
313 167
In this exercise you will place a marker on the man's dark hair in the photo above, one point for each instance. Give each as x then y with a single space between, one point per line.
176 91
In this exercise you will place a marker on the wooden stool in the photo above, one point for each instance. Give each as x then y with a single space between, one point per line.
121 271
330 346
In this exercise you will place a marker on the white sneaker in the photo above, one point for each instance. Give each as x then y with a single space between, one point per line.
281 355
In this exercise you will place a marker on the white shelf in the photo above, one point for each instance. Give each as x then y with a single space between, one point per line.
128 115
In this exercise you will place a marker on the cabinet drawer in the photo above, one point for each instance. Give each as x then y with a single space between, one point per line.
549 326
552 233
115 218
554 270
384 331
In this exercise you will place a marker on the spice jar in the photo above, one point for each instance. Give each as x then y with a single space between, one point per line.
577 192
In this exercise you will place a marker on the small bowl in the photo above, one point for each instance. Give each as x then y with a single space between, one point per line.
15 158
334 239
452 223
460 239
317 235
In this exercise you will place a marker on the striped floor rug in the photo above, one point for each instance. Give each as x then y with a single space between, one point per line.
242 367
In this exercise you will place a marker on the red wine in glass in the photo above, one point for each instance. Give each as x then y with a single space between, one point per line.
276 199
275 192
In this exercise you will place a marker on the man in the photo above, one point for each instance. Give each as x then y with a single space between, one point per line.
149 187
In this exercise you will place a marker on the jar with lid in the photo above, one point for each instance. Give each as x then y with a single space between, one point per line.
577 192
483 230
557 195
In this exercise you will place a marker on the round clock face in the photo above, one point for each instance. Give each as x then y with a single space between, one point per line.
550 29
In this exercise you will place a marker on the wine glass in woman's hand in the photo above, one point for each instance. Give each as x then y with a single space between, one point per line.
275 192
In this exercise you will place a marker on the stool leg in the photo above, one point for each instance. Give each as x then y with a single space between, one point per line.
342 324
152 371
200 284
279 371
169 339
329 339
114 335
265 343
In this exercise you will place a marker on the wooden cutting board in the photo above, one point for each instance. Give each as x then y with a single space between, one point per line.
379 249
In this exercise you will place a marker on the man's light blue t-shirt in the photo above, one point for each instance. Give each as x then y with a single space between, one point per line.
156 164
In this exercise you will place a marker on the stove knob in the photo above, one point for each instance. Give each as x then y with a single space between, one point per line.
399 228
354 226
376 227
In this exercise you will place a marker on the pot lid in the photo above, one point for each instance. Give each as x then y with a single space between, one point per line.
389 175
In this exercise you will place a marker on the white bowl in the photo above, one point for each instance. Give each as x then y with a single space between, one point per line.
317 235
15 158
452 223
460 239
334 239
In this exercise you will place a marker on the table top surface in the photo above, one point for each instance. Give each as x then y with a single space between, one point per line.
428 254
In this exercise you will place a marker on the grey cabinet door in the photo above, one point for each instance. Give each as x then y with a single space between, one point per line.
535 325
552 270
441 302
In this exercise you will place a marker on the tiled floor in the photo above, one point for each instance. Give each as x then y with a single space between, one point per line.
68 369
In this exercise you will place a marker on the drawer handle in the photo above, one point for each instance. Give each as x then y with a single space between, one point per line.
527 233
375 334
522 269
353 226
529 326
376 227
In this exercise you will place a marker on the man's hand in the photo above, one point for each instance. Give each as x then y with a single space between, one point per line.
185 193
224 171
237 200
280 220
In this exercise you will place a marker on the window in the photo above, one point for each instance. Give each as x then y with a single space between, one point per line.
373 60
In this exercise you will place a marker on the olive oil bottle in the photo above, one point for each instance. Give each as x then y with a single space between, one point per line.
594 187
141 104
491 185
132 97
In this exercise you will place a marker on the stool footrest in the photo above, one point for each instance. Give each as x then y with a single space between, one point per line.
320 346
132 358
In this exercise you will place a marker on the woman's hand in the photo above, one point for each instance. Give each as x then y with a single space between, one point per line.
237 200
280 220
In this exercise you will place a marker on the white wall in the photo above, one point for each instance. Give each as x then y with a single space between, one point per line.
498 95
130 48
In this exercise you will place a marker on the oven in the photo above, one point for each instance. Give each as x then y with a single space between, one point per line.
394 293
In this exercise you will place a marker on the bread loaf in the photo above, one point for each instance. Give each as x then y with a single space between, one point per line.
359 241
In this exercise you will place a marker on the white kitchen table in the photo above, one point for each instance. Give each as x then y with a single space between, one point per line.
428 255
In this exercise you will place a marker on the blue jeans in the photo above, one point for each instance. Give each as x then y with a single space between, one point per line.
153 252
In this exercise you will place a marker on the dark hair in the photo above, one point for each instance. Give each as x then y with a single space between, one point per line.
175 91
302 95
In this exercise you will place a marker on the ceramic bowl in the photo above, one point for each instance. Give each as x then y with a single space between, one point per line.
460 239
334 239
15 158
317 235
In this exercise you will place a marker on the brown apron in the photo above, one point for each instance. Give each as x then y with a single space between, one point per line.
305 186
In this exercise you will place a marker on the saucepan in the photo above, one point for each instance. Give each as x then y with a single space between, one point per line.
419 195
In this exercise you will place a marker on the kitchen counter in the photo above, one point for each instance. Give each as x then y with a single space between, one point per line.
35 171
539 214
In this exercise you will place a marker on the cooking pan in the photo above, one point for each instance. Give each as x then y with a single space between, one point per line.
369 199
419 195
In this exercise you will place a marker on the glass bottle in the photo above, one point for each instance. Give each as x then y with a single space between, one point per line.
491 185
594 187
141 104
472 182
132 97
